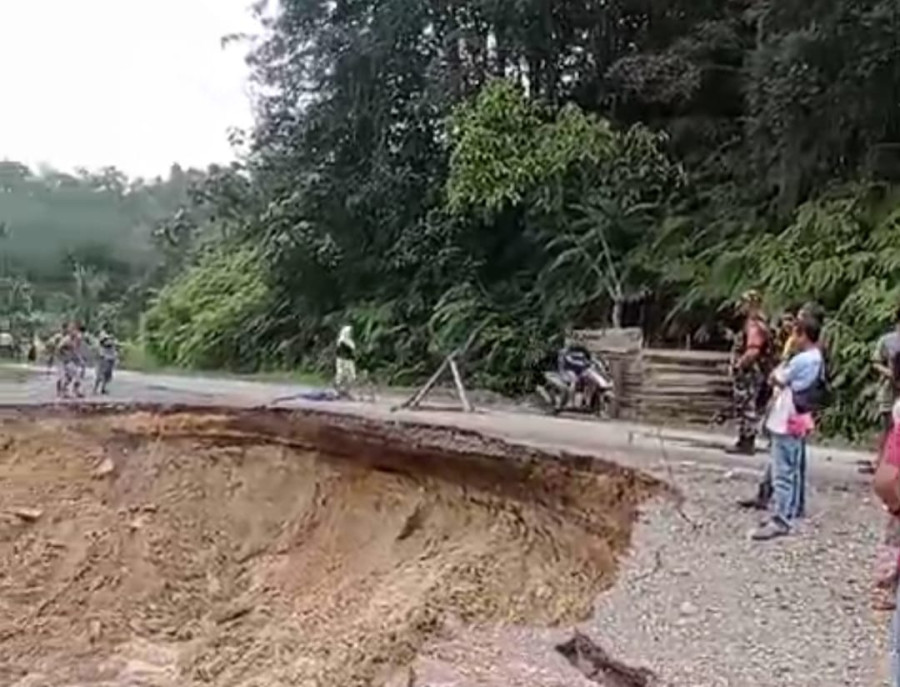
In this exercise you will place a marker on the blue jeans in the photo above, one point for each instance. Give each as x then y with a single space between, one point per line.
789 473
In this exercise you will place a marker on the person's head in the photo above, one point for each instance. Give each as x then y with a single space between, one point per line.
750 303
807 330
788 320
813 310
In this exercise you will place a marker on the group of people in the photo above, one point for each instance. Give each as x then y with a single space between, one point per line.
781 377
72 349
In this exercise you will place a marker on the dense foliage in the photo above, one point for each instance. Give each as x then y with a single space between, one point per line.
207 317
423 169
81 245
95 246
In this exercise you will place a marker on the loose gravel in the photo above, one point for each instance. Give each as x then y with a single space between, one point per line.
701 605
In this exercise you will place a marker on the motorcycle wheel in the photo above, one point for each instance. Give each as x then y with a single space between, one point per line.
546 401
598 404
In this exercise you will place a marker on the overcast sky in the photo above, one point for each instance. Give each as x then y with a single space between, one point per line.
134 83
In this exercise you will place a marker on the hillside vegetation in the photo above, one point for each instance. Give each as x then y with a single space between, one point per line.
418 169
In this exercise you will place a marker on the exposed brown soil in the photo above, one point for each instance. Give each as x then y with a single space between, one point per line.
258 548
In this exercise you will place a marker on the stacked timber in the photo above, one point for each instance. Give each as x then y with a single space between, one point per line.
690 386
660 384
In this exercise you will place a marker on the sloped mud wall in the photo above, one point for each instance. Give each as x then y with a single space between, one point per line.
260 548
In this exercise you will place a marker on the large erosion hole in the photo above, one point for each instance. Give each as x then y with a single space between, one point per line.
260 548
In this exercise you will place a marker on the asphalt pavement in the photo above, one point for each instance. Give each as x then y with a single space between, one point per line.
644 446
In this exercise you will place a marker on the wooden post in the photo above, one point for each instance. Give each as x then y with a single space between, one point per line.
417 397
618 378
451 362
460 389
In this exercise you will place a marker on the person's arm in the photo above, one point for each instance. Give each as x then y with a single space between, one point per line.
886 482
783 374
880 361
753 347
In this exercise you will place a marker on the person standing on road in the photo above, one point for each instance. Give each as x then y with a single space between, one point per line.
886 485
107 355
799 386
345 362
68 354
750 365
788 347
887 350
53 344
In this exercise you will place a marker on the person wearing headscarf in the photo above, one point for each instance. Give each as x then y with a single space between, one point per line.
345 361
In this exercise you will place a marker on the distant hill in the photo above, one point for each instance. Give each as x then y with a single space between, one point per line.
48 216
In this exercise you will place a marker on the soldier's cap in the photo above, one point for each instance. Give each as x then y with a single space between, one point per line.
751 296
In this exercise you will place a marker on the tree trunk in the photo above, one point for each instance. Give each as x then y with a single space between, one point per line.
617 312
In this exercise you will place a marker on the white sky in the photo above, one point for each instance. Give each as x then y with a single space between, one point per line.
138 84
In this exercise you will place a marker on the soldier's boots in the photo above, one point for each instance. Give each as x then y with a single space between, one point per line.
745 446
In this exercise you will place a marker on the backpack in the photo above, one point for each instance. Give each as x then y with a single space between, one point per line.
817 396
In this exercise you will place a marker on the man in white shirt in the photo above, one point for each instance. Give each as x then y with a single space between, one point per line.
790 428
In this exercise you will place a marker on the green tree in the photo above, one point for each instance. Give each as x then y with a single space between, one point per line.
421 170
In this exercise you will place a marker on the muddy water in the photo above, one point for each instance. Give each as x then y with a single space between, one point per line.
260 549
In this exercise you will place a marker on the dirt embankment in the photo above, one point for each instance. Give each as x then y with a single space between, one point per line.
259 549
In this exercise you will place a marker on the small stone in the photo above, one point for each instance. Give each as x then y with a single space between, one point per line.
405 677
106 468
688 609
27 514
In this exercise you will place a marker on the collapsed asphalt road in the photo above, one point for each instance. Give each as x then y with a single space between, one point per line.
697 604
642 446
240 547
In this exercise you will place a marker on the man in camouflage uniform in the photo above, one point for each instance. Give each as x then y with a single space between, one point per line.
750 368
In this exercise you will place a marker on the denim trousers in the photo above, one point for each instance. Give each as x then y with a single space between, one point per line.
766 488
788 476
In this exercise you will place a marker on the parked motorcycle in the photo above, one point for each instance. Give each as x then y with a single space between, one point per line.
580 383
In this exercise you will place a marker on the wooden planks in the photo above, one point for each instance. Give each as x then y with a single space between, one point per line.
665 384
